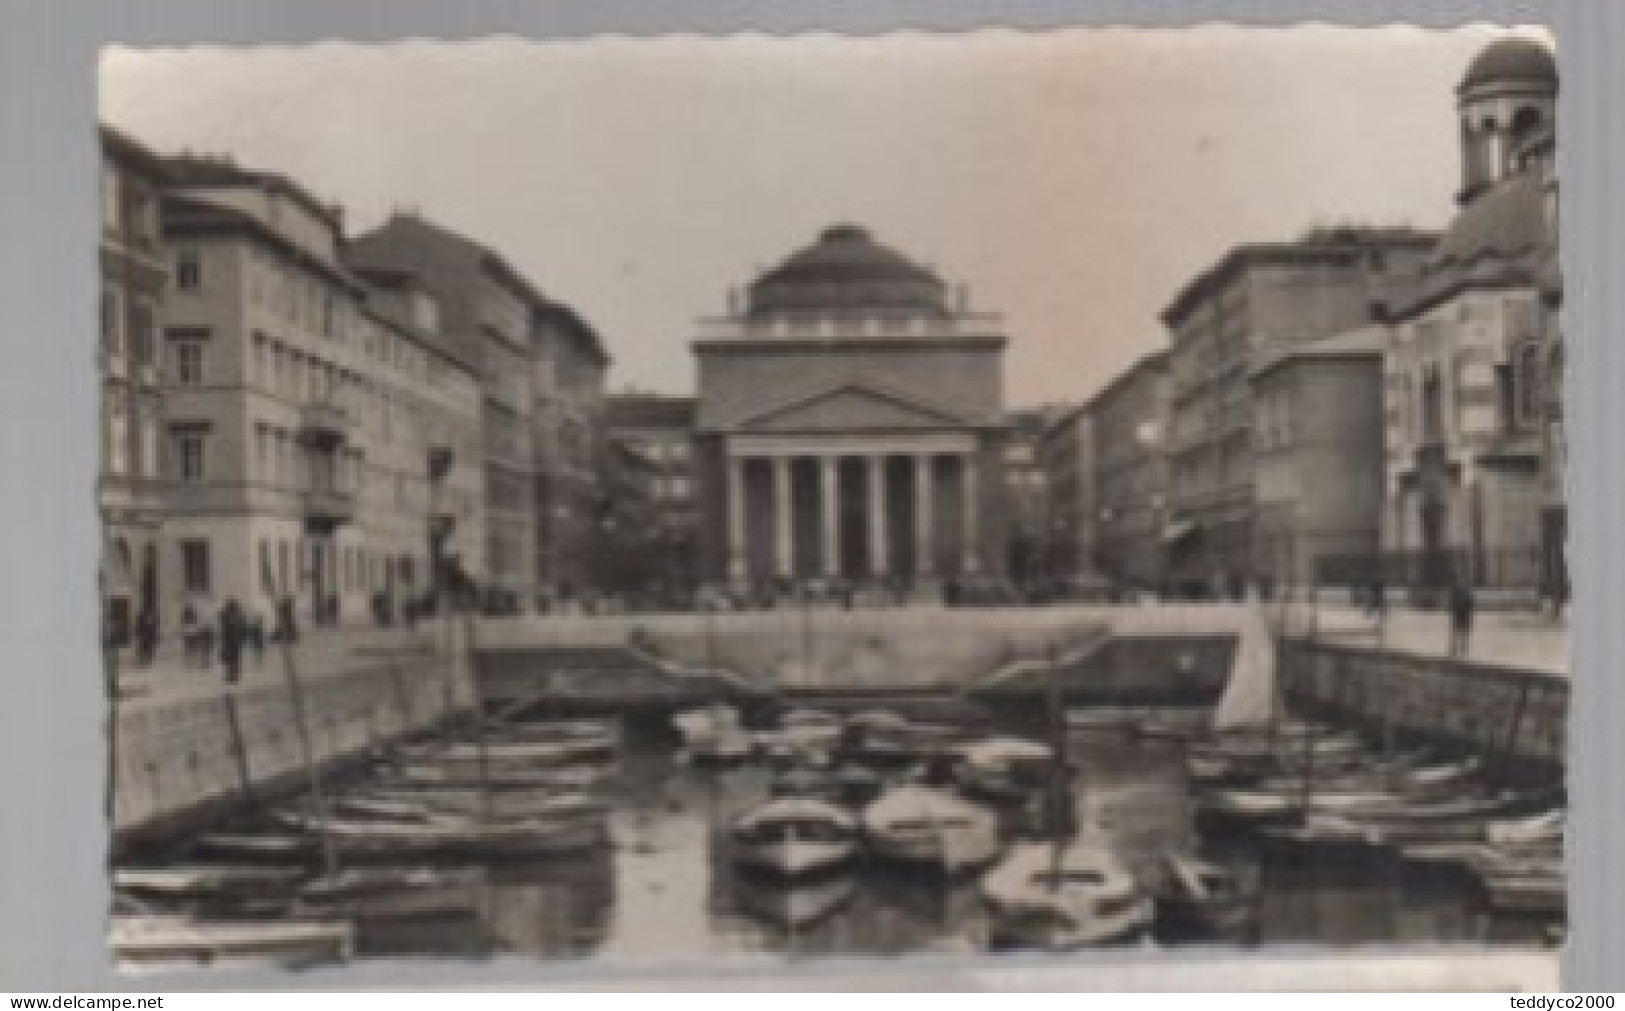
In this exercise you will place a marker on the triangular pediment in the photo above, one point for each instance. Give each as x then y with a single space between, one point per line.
854 406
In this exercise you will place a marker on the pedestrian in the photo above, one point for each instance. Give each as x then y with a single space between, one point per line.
189 634
232 629
256 637
1461 617
287 629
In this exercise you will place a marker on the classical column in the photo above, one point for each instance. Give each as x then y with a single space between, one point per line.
970 536
878 555
830 471
924 564
783 521
736 518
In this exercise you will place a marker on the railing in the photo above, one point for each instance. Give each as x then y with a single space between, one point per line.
323 421
959 324
328 506
1508 568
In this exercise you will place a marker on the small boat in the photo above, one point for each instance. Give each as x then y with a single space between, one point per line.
798 903
1547 827
1005 769
274 847
176 942
367 893
192 880
791 836
469 801
811 726
928 826
1544 893
1197 893
521 754
370 838
1059 896
430 773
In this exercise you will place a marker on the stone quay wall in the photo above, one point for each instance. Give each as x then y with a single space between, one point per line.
181 758
1514 716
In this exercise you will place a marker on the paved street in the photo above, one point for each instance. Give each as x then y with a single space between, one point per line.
320 652
1521 639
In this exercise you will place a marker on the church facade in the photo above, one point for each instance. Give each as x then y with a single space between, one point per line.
850 429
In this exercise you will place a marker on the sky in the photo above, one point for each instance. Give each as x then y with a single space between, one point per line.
1072 180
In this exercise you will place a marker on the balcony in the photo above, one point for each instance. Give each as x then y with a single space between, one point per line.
323 423
326 508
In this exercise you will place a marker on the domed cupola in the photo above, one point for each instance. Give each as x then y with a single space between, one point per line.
1507 99
846 273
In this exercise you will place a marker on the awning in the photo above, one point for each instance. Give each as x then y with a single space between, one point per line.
1178 531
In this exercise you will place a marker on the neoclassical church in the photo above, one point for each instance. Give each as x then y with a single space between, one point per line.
850 428
1475 445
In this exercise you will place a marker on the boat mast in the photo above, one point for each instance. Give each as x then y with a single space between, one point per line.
477 695
1060 823
313 776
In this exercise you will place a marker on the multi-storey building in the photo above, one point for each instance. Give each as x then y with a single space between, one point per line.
1130 419
660 429
1066 455
1318 459
130 495
486 311
304 424
1256 300
1027 491
567 418
1474 486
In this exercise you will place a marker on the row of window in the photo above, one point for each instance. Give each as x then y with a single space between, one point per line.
292 566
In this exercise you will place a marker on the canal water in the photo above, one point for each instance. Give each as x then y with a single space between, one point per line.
667 889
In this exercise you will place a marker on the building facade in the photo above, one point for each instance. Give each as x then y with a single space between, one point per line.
851 429
660 430
1318 459
303 423
1026 481
1256 300
573 462
1474 486
135 276
487 311
1130 422
1066 453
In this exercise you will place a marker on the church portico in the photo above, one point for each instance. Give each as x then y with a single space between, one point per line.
897 509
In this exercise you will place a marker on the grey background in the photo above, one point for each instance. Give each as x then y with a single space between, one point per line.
52 882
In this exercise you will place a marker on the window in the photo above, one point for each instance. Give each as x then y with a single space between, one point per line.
262 451
261 356
679 488
1528 383
186 355
282 565
195 565
111 330
149 446
267 575
140 334
190 453
118 434
188 270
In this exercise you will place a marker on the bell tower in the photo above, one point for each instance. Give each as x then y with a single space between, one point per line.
1507 99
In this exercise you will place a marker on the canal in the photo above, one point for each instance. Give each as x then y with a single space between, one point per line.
666 887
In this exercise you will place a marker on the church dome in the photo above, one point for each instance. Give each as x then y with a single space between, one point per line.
1519 61
846 272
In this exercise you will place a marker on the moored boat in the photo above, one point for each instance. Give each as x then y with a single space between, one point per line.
791 836
1198 893
1059 896
450 836
153 942
931 827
